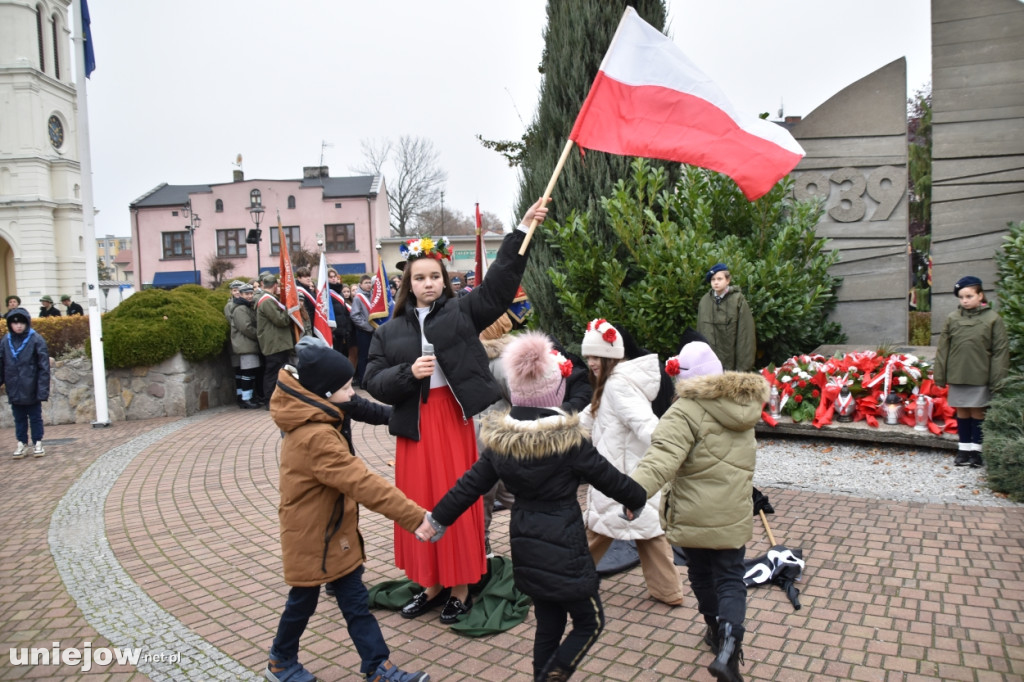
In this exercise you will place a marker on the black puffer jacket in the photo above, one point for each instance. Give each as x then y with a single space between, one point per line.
453 326
24 364
542 456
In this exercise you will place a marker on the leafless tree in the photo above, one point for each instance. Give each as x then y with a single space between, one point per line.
417 179
218 268
431 222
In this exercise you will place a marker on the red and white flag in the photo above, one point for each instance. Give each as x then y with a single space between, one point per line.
323 319
650 100
288 292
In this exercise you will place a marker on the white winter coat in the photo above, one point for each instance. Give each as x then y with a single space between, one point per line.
621 432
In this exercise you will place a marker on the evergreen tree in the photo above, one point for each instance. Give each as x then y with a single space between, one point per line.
577 35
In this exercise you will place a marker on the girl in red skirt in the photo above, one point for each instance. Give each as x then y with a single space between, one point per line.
429 364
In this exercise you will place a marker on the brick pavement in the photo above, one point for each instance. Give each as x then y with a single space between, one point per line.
892 591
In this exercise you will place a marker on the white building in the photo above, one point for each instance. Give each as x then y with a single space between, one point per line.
42 243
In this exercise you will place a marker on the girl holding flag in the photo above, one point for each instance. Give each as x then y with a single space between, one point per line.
429 364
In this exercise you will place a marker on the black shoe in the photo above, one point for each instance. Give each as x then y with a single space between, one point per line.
248 405
711 639
975 462
329 589
455 608
421 604
963 458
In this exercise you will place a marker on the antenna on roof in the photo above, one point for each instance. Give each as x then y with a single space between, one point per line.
238 161
324 144
782 109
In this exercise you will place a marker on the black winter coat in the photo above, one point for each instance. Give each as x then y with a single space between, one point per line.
542 456
453 326
26 377
362 410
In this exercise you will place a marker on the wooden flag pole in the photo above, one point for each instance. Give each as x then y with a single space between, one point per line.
547 193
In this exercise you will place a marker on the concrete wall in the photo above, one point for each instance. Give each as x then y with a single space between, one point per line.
856 162
978 140
174 388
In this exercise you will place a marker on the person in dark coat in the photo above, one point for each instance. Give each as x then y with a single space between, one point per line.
542 454
428 363
46 308
71 307
343 330
25 373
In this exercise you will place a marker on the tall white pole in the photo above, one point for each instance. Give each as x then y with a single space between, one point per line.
92 277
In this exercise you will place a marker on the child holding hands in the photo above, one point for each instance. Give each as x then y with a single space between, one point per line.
542 454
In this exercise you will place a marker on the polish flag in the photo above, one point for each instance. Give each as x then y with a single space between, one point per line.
323 320
650 100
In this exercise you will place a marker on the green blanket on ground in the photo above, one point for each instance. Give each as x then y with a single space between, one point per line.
497 604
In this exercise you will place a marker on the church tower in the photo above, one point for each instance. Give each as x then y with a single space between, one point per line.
42 246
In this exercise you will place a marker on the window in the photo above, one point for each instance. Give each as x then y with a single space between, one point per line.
39 37
255 198
293 240
56 49
174 213
340 237
291 202
219 206
177 245
231 243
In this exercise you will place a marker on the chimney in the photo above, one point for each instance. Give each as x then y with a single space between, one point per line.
793 119
313 172
239 175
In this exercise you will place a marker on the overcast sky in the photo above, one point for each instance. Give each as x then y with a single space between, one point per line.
181 88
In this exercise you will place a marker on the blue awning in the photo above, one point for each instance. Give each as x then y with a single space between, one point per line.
169 280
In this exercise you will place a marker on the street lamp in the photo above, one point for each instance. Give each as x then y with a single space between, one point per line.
193 225
256 213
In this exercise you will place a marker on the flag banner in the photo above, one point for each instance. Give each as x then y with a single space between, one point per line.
520 307
323 319
648 99
288 291
481 250
90 56
381 303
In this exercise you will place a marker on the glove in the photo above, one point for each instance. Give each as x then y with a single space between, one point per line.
438 528
636 513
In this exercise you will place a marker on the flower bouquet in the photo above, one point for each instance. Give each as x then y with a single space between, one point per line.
809 385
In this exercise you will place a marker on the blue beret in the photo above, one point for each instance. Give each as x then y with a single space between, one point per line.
968 281
717 267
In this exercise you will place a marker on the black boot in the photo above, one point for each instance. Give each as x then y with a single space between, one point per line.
711 634
726 666
553 672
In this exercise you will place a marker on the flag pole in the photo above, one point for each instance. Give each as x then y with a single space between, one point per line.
547 193
99 370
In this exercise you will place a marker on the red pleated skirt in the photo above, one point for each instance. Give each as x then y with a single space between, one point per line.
425 471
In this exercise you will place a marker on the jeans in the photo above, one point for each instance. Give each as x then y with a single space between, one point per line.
25 415
587 623
353 600
716 576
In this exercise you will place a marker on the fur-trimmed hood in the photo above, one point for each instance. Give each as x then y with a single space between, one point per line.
551 433
735 399
495 347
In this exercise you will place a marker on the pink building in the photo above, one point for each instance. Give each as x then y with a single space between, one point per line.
349 214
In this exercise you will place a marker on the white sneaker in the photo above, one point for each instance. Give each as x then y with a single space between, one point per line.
19 451
39 451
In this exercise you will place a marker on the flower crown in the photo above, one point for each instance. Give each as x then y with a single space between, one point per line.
602 326
564 364
425 247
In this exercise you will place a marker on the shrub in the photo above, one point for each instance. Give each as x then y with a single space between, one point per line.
1011 290
1004 439
652 278
920 329
63 335
152 325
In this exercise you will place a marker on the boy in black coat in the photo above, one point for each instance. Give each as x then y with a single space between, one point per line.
25 374
542 455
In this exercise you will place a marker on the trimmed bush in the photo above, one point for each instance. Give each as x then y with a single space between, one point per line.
63 335
152 325
1004 439
1011 290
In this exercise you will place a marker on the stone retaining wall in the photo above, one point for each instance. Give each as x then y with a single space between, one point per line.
174 388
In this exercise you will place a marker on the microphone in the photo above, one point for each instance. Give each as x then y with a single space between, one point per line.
426 349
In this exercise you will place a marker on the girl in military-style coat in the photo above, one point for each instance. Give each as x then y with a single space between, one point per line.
543 455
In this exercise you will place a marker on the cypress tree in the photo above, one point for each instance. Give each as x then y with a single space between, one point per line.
577 35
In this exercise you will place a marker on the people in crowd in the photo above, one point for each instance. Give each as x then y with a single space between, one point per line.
245 344
322 485
469 281
361 320
47 308
621 421
972 358
13 301
307 297
25 376
702 458
542 454
428 363
70 306
457 285
235 289
725 320
343 330
274 330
